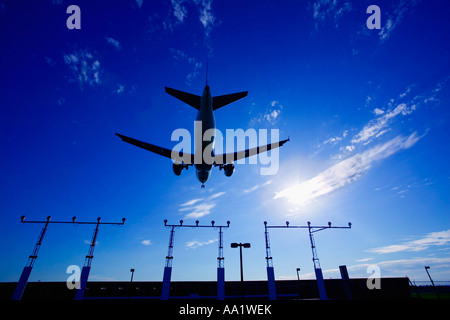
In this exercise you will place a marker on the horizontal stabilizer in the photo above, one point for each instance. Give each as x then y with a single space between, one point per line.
190 99
220 101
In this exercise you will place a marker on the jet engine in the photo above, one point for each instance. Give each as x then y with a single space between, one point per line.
228 169
177 168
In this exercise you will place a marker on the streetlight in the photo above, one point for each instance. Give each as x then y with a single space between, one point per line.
240 245
299 288
432 282
129 285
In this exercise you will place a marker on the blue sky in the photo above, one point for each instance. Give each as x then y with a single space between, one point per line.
367 112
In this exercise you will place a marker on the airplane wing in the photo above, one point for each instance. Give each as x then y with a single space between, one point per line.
178 156
230 157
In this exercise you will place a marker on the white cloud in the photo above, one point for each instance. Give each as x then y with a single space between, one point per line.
404 6
198 210
196 244
146 242
120 89
84 67
115 43
181 56
411 267
329 9
199 207
333 140
440 238
344 172
257 186
350 148
179 11
270 115
378 111
216 195
206 16
191 202
376 126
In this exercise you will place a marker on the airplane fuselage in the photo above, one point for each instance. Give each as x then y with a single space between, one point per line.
205 116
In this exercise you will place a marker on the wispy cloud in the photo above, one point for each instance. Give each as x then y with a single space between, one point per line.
329 9
139 3
199 207
113 42
191 202
84 67
146 242
179 10
440 238
345 171
206 15
394 18
378 126
401 267
257 186
196 244
194 63
270 116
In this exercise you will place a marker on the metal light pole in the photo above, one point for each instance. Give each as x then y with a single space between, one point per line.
17 295
131 281
240 245
88 260
432 282
317 269
299 288
169 258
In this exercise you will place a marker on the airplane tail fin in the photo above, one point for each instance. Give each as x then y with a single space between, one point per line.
220 101
190 99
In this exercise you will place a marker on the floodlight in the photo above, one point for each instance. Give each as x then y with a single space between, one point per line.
234 245
246 245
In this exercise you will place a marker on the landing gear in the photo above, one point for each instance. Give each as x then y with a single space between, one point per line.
203 186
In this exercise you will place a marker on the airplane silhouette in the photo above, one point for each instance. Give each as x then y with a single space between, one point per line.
206 105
